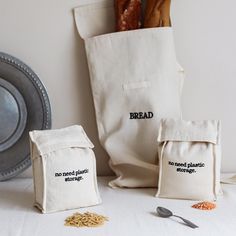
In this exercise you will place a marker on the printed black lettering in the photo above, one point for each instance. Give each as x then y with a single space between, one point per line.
135 115
141 115
150 115
131 115
145 115
58 174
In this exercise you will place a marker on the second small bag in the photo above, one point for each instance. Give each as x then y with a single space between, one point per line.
190 157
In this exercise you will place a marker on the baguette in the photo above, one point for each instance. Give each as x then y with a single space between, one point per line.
165 14
157 13
128 14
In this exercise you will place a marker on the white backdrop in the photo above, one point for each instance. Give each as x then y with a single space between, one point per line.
43 35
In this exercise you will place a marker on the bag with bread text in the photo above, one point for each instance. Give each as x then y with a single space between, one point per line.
64 169
190 157
135 81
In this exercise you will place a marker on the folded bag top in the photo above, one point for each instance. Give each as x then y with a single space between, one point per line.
51 140
190 157
194 131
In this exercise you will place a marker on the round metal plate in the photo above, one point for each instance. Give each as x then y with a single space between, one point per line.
24 106
13 115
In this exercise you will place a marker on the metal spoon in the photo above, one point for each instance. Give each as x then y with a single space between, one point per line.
163 212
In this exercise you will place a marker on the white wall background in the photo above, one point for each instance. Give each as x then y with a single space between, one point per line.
43 35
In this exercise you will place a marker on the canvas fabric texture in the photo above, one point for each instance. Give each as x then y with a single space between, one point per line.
64 169
190 159
135 81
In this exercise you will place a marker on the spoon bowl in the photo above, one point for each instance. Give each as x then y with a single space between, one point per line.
163 212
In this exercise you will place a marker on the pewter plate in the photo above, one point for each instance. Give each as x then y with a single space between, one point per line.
24 106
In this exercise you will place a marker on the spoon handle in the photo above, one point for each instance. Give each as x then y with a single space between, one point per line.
189 223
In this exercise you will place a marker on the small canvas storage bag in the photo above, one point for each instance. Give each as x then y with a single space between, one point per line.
64 169
190 155
135 81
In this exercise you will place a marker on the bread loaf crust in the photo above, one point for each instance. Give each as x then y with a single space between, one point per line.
128 14
157 13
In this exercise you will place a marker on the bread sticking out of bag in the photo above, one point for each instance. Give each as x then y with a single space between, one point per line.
152 14
165 14
157 13
128 14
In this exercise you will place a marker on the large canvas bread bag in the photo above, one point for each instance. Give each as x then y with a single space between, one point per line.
135 81
190 159
64 169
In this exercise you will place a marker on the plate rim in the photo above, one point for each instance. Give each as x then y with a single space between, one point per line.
41 90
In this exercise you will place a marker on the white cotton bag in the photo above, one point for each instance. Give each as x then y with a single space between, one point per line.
190 157
135 81
64 169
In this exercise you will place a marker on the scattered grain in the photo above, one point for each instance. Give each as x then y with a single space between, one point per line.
204 205
86 219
